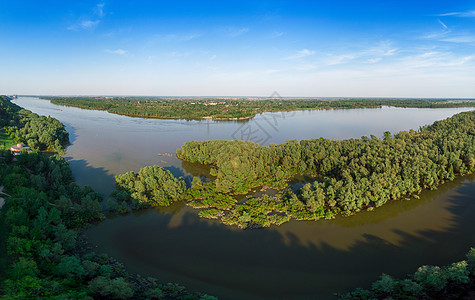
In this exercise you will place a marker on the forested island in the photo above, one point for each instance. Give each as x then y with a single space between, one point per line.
43 254
349 175
226 108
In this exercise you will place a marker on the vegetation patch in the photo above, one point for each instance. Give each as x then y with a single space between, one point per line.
455 281
38 132
234 108
5 140
353 174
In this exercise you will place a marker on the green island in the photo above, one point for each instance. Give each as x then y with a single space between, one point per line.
348 175
43 253
228 108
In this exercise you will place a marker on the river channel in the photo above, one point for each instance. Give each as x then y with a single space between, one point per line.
298 260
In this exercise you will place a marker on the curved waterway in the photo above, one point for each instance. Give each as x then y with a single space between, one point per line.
298 260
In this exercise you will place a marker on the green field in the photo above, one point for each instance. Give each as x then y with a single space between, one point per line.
5 141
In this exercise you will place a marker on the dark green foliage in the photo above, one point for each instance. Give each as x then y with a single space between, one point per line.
428 282
152 185
45 250
222 109
38 132
352 174
117 288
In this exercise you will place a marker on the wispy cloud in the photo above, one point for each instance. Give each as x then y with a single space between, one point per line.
181 37
301 54
447 35
463 14
435 59
370 55
442 23
235 32
89 21
332 60
117 51
99 10
459 39
276 34
176 38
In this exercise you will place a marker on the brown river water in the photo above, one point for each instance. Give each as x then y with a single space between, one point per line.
298 260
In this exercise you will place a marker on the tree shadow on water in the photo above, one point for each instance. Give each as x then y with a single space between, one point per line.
72 133
98 178
176 245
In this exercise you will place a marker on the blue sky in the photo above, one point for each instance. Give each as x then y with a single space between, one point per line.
239 48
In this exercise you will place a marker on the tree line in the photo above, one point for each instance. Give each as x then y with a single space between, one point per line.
229 109
38 132
455 281
349 175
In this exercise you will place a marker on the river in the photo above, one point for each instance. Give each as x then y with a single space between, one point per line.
298 260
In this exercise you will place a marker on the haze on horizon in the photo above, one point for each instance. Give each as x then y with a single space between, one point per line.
240 48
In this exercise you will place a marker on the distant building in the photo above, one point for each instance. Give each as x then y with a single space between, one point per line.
16 149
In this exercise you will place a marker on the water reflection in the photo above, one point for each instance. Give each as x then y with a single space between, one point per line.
316 260
302 260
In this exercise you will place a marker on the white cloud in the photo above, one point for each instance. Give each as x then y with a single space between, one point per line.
88 24
235 32
434 60
301 54
239 32
460 39
463 14
99 10
117 51
276 34
442 23
89 21
331 59
84 25
172 37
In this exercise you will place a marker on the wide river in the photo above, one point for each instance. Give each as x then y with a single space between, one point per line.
298 260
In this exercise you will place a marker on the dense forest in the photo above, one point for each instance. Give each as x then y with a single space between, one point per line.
234 108
47 257
456 281
349 175
43 254
38 132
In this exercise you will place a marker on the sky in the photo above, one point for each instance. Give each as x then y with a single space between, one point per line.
238 48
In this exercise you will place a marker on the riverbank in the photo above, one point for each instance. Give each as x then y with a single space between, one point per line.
237 110
205 255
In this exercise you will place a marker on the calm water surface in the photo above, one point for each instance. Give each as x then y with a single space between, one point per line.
298 260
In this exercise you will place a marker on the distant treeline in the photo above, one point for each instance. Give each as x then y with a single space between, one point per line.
456 281
226 109
38 132
350 175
